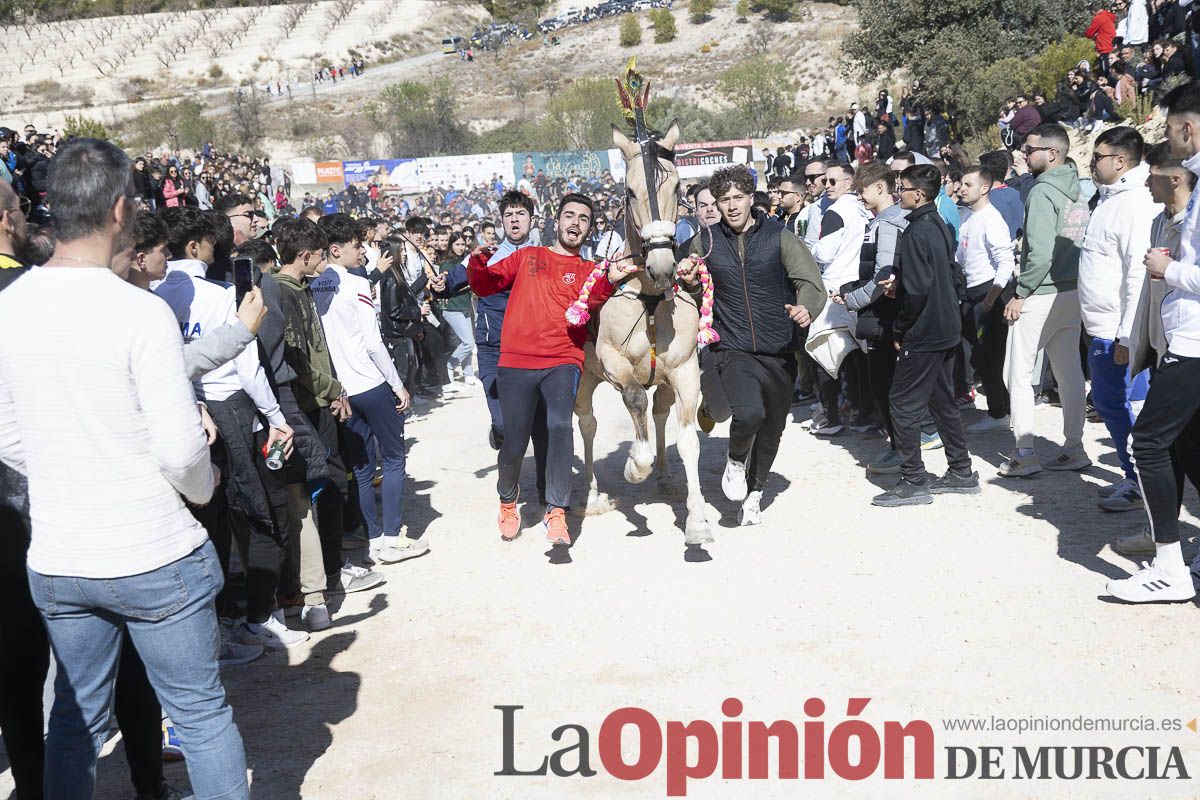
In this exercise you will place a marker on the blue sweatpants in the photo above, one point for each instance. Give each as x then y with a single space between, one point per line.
1113 391
375 421
488 358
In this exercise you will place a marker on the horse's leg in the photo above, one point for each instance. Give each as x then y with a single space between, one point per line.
596 502
664 397
686 381
641 455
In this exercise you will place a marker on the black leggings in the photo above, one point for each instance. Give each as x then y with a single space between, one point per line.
519 393
881 367
759 388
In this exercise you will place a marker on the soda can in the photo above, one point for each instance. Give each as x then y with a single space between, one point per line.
1166 251
274 455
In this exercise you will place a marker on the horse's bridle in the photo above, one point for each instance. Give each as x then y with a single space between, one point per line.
652 150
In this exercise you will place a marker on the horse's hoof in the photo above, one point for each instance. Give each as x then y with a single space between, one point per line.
598 503
696 535
695 554
636 474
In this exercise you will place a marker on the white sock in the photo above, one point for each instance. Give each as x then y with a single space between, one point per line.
1169 559
1024 452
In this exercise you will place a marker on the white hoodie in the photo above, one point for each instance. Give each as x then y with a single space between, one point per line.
1181 308
1111 253
842 229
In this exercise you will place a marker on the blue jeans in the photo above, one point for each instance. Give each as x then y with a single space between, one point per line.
1112 391
489 362
170 616
376 421
460 323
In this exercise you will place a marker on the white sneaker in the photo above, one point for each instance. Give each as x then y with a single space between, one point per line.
733 482
471 380
751 514
316 618
989 424
271 633
1019 466
231 653
1139 544
398 548
1069 460
352 578
1153 585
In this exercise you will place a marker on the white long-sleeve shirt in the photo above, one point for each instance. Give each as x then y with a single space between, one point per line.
1181 308
1111 253
200 306
842 228
96 410
344 302
985 248
1134 29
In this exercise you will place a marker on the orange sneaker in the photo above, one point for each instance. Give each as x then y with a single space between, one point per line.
556 527
510 521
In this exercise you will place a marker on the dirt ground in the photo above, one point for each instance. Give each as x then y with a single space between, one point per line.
971 607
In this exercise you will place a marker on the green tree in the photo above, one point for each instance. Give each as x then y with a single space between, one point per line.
631 31
184 123
948 45
664 25
761 93
421 118
699 10
85 126
581 115
743 10
778 10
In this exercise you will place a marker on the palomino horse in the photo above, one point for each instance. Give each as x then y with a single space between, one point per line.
647 337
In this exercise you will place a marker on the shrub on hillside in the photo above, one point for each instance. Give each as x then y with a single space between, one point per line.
699 10
664 25
631 31
743 10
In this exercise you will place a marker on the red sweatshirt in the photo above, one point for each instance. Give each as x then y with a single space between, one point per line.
1102 30
536 334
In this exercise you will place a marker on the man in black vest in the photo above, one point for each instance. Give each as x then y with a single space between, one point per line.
926 331
765 283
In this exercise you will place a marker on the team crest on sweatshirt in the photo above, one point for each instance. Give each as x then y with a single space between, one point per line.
568 278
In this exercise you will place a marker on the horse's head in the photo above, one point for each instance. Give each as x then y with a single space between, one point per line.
651 200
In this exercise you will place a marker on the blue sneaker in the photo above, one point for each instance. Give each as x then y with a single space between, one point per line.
931 441
171 751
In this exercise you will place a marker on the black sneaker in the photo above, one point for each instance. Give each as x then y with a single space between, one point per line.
904 493
956 483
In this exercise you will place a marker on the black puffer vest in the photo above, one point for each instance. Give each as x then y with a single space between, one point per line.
751 288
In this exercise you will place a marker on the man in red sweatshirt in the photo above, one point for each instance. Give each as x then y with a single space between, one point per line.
542 355
1101 31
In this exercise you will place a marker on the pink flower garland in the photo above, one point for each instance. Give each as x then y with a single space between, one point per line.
577 313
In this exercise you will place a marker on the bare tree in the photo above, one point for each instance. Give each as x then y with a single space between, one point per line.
519 88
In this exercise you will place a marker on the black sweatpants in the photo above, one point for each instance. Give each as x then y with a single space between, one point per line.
881 369
926 381
139 716
257 498
519 393
332 500
759 389
1171 404
986 335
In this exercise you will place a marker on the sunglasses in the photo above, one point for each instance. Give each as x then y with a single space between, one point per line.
813 178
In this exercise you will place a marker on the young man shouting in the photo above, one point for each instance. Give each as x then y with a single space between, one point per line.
541 356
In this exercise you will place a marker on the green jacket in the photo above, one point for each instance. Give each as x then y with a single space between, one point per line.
460 301
305 348
1055 220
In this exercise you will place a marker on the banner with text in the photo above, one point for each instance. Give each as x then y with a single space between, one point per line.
700 159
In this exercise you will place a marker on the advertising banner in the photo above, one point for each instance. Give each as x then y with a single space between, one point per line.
329 172
391 174
460 172
304 172
585 163
701 159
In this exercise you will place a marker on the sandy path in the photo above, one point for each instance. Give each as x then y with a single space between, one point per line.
972 606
